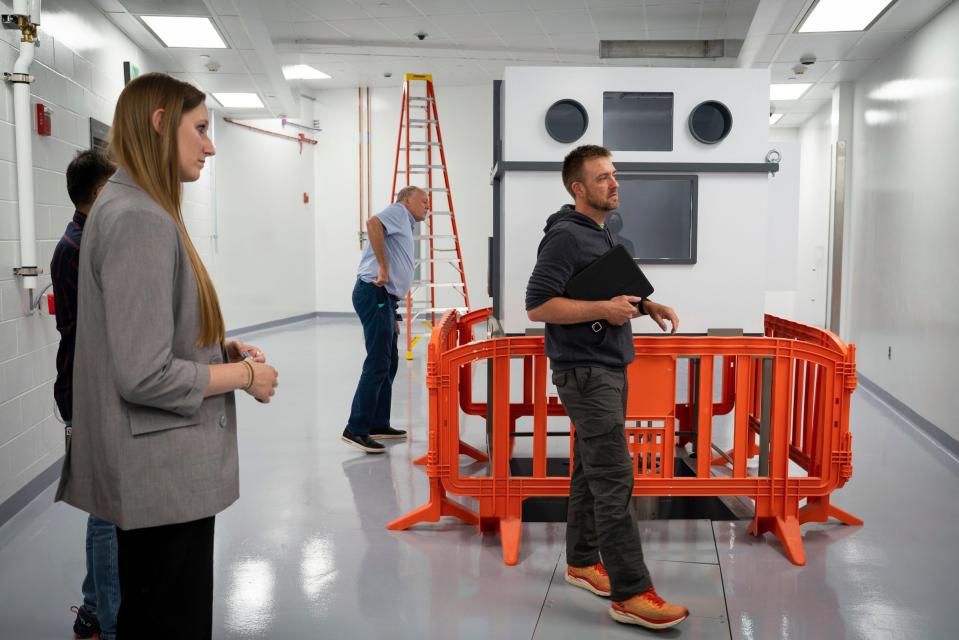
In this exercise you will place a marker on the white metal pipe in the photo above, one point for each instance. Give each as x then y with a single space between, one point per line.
22 129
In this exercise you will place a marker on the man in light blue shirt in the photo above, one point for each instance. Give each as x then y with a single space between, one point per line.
383 277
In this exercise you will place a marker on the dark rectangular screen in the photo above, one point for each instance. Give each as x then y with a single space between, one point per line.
656 219
637 121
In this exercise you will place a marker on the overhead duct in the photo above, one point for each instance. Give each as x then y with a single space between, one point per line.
609 49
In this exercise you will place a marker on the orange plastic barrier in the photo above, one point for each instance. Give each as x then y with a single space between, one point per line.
790 390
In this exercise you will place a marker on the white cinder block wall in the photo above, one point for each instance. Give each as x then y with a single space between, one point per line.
905 225
466 119
79 73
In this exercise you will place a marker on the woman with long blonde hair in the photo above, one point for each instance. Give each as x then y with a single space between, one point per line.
154 448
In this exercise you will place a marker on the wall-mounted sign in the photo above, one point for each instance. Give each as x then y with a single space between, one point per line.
130 71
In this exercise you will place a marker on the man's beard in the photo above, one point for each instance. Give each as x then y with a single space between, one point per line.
601 205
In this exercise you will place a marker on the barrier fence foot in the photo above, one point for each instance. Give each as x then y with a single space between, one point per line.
786 530
439 505
421 460
509 534
820 510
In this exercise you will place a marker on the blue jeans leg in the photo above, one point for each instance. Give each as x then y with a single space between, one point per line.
381 414
376 311
102 563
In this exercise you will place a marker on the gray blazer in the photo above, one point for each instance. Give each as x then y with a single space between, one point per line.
147 448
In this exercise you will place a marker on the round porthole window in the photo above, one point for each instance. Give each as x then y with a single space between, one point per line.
566 121
710 122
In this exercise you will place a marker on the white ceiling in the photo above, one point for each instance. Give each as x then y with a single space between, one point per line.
471 41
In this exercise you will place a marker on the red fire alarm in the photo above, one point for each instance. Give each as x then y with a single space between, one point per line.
306 197
51 307
44 123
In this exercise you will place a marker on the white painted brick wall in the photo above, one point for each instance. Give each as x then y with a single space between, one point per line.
75 88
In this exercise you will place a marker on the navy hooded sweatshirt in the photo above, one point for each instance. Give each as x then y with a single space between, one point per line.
571 242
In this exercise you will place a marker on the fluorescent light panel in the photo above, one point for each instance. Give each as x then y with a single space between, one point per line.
303 72
176 31
239 100
843 15
774 118
787 91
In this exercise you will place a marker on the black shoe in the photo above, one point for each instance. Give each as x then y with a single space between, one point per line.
86 625
363 443
388 433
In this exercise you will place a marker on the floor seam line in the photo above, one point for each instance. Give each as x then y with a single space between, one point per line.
549 585
722 583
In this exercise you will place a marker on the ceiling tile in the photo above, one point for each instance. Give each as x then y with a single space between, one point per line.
876 44
166 8
316 30
253 62
848 71
566 22
462 24
908 14
365 29
387 9
618 19
768 49
554 5
442 7
673 17
522 23
825 46
233 26
330 9
405 28
493 6
224 7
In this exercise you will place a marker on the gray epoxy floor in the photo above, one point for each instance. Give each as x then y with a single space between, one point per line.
304 553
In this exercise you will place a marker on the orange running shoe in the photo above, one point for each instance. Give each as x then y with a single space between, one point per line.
592 578
648 610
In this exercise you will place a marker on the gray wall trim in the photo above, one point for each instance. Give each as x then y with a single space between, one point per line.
12 505
934 433
284 321
502 167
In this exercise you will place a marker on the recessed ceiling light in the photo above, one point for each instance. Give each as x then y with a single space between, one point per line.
843 15
176 31
787 91
303 72
239 100
774 118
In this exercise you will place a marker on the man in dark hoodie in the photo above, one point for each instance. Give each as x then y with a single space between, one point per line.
589 345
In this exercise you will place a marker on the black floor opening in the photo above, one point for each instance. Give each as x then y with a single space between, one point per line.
553 508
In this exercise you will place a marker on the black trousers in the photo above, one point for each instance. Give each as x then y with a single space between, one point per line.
600 521
166 582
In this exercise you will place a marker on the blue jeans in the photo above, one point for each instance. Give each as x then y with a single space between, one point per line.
374 393
101 586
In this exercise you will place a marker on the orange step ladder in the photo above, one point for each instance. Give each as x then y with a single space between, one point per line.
439 278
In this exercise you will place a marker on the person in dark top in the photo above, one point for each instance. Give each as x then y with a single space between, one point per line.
86 175
589 344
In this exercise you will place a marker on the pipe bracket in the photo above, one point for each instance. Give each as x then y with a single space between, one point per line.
26 272
18 78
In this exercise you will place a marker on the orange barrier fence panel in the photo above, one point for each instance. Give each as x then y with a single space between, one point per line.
788 392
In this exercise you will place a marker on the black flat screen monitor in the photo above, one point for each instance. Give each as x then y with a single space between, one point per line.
638 121
656 219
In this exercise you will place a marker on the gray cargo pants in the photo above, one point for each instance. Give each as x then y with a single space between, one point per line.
599 520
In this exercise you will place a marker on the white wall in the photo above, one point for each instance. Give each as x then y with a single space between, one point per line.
905 224
726 287
264 263
814 206
467 125
79 74
783 226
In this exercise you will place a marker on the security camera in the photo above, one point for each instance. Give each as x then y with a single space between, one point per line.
807 59
387 74
421 35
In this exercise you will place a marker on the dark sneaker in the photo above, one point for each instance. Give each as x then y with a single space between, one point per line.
389 433
363 443
86 625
